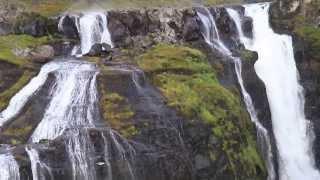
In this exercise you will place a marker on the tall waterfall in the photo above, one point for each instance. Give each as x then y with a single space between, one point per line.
277 69
212 37
262 132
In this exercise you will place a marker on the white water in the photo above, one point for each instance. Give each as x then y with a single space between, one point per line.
211 35
210 32
9 168
93 28
277 69
70 104
38 168
262 133
19 100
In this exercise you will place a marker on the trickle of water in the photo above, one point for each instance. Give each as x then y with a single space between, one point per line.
210 31
37 166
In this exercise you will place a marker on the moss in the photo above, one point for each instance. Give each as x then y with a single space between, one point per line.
7 94
18 42
217 2
312 37
117 113
18 135
248 55
189 84
46 7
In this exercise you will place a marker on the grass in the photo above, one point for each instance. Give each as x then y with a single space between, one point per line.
117 112
18 42
50 8
189 85
7 94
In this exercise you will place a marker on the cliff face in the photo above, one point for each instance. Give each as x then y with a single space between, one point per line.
174 99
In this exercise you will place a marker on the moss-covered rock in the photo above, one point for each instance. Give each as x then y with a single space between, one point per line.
117 112
14 47
311 36
189 84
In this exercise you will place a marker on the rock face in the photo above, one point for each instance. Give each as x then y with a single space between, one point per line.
168 144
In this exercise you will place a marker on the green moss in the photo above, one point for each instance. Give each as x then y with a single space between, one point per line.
189 84
117 112
312 37
217 2
7 94
18 42
248 55
18 135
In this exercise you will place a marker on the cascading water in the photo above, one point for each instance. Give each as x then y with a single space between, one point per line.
92 28
9 167
212 37
262 133
277 69
38 168
210 31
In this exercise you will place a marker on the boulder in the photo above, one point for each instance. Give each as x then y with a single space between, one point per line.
42 54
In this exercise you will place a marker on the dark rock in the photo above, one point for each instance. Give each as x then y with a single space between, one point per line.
9 74
191 29
96 50
201 162
247 26
68 27
119 32
5 28
35 25
106 48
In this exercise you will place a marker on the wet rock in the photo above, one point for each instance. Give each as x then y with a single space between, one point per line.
5 28
247 26
119 31
35 25
68 27
42 54
95 50
201 162
191 29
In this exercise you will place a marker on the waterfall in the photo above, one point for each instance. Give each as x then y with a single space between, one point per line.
9 168
209 27
70 104
262 133
38 168
277 69
19 100
92 28
210 31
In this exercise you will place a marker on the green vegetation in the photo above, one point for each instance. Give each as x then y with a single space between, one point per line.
18 135
50 8
44 7
117 113
189 84
7 94
11 43
312 37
